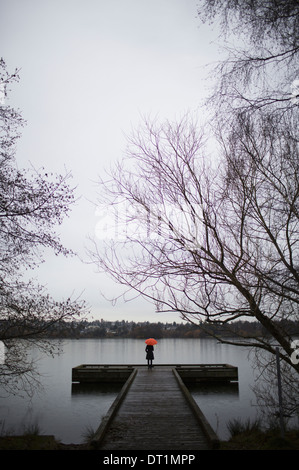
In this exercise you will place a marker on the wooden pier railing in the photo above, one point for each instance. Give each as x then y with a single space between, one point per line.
121 372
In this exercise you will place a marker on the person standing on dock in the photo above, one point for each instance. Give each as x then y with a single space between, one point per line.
150 350
149 354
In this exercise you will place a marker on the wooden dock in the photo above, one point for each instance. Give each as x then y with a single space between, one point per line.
108 373
154 409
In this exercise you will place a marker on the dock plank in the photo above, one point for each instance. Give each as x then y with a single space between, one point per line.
154 415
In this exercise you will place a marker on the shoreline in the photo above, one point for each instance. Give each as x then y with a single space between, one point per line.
269 440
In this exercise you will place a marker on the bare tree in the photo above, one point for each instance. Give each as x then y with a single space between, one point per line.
32 204
214 238
256 100
260 43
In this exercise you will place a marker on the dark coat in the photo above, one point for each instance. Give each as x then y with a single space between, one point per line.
149 352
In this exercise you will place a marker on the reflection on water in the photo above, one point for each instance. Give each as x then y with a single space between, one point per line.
67 410
217 401
226 389
92 389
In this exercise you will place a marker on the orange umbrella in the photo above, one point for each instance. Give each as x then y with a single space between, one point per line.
151 341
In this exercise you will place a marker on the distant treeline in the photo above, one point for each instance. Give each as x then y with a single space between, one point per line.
125 329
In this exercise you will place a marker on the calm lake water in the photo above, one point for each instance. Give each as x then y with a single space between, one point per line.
68 411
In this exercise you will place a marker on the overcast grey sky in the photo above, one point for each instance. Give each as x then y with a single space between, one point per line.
89 69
